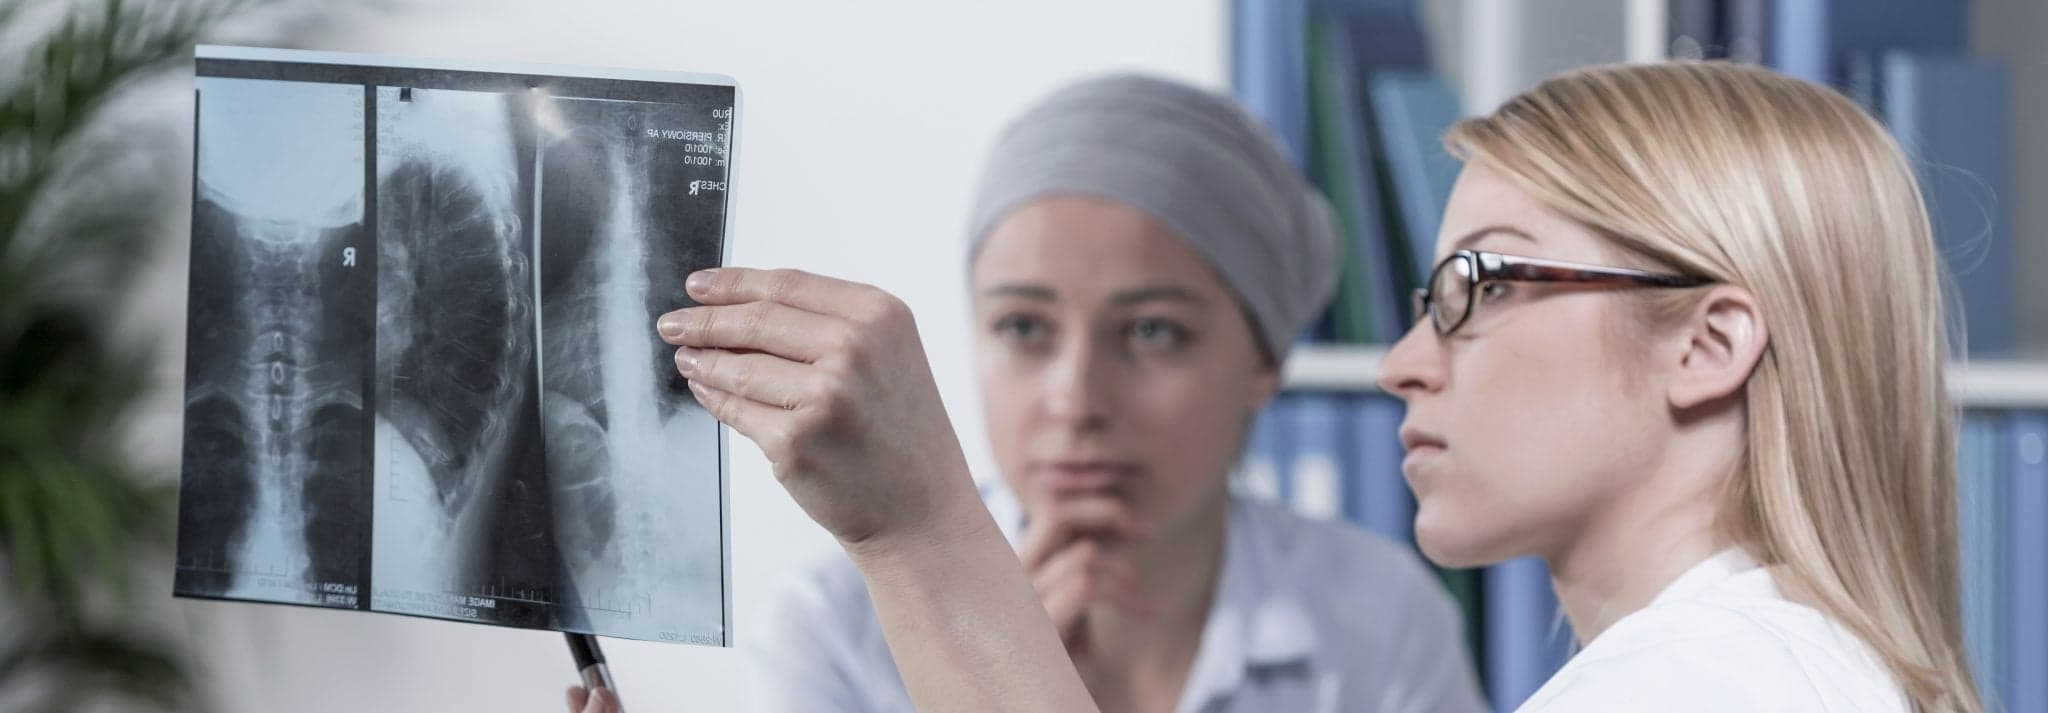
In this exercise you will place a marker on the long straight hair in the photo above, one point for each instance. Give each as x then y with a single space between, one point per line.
1750 178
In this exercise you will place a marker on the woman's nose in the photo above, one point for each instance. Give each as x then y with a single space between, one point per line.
1079 386
1414 365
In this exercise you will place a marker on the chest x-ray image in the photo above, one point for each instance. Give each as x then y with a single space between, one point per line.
422 376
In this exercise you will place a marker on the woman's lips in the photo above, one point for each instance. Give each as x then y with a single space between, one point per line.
1421 446
1077 476
1417 456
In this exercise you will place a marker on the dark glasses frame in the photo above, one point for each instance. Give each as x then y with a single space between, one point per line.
1484 267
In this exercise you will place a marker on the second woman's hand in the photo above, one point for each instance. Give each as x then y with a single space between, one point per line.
1074 554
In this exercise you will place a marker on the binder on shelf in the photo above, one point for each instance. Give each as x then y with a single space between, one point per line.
1736 30
1322 330
1345 315
1980 474
1527 640
1953 115
1412 110
1384 33
1258 475
1313 480
1693 29
1467 588
1269 68
1808 38
1861 82
1746 30
1367 306
1376 496
2025 600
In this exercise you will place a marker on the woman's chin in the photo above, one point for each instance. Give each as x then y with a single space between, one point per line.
1451 546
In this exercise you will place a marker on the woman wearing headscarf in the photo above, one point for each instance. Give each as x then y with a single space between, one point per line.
1141 257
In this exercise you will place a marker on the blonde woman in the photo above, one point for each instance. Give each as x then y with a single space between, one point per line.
1684 342
1738 463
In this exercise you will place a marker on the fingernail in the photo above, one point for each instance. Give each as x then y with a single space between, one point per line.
686 361
670 325
699 281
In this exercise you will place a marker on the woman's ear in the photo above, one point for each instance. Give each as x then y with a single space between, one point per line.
1723 338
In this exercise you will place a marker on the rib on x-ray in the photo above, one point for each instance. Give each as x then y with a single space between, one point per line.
423 377
460 467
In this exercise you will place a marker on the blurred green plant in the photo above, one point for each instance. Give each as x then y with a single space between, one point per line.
75 511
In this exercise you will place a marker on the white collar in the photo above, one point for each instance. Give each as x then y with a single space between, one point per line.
1714 570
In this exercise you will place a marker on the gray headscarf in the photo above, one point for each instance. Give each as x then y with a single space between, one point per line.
1197 163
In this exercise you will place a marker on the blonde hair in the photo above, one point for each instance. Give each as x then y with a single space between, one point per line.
1787 189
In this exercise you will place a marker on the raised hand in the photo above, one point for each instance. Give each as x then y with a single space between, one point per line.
829 379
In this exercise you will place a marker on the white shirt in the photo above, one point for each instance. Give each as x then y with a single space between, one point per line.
1722 638
1307 616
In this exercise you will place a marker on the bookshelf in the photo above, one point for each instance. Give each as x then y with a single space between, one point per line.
1977 384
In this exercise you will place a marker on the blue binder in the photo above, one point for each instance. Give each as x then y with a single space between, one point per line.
1953 115
1265 451
1371 293
1313 480
1527 639
1809 38
1385 33
2026 597
1980 502
1736 30
1377 498
1269 68
1412 111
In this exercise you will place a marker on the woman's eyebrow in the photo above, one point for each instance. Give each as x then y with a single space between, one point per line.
1028 291
1171 293
1149 293
1476 235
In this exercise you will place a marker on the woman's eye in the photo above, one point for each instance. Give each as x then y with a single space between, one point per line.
1020 328
1158 333
1493 291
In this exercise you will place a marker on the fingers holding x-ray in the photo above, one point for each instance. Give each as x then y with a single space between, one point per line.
780 329
756 376
867 449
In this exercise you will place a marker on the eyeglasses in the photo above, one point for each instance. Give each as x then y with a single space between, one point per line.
1448 298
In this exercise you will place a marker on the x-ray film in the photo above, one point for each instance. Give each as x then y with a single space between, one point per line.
422 375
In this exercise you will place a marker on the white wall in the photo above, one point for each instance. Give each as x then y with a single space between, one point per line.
860 135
